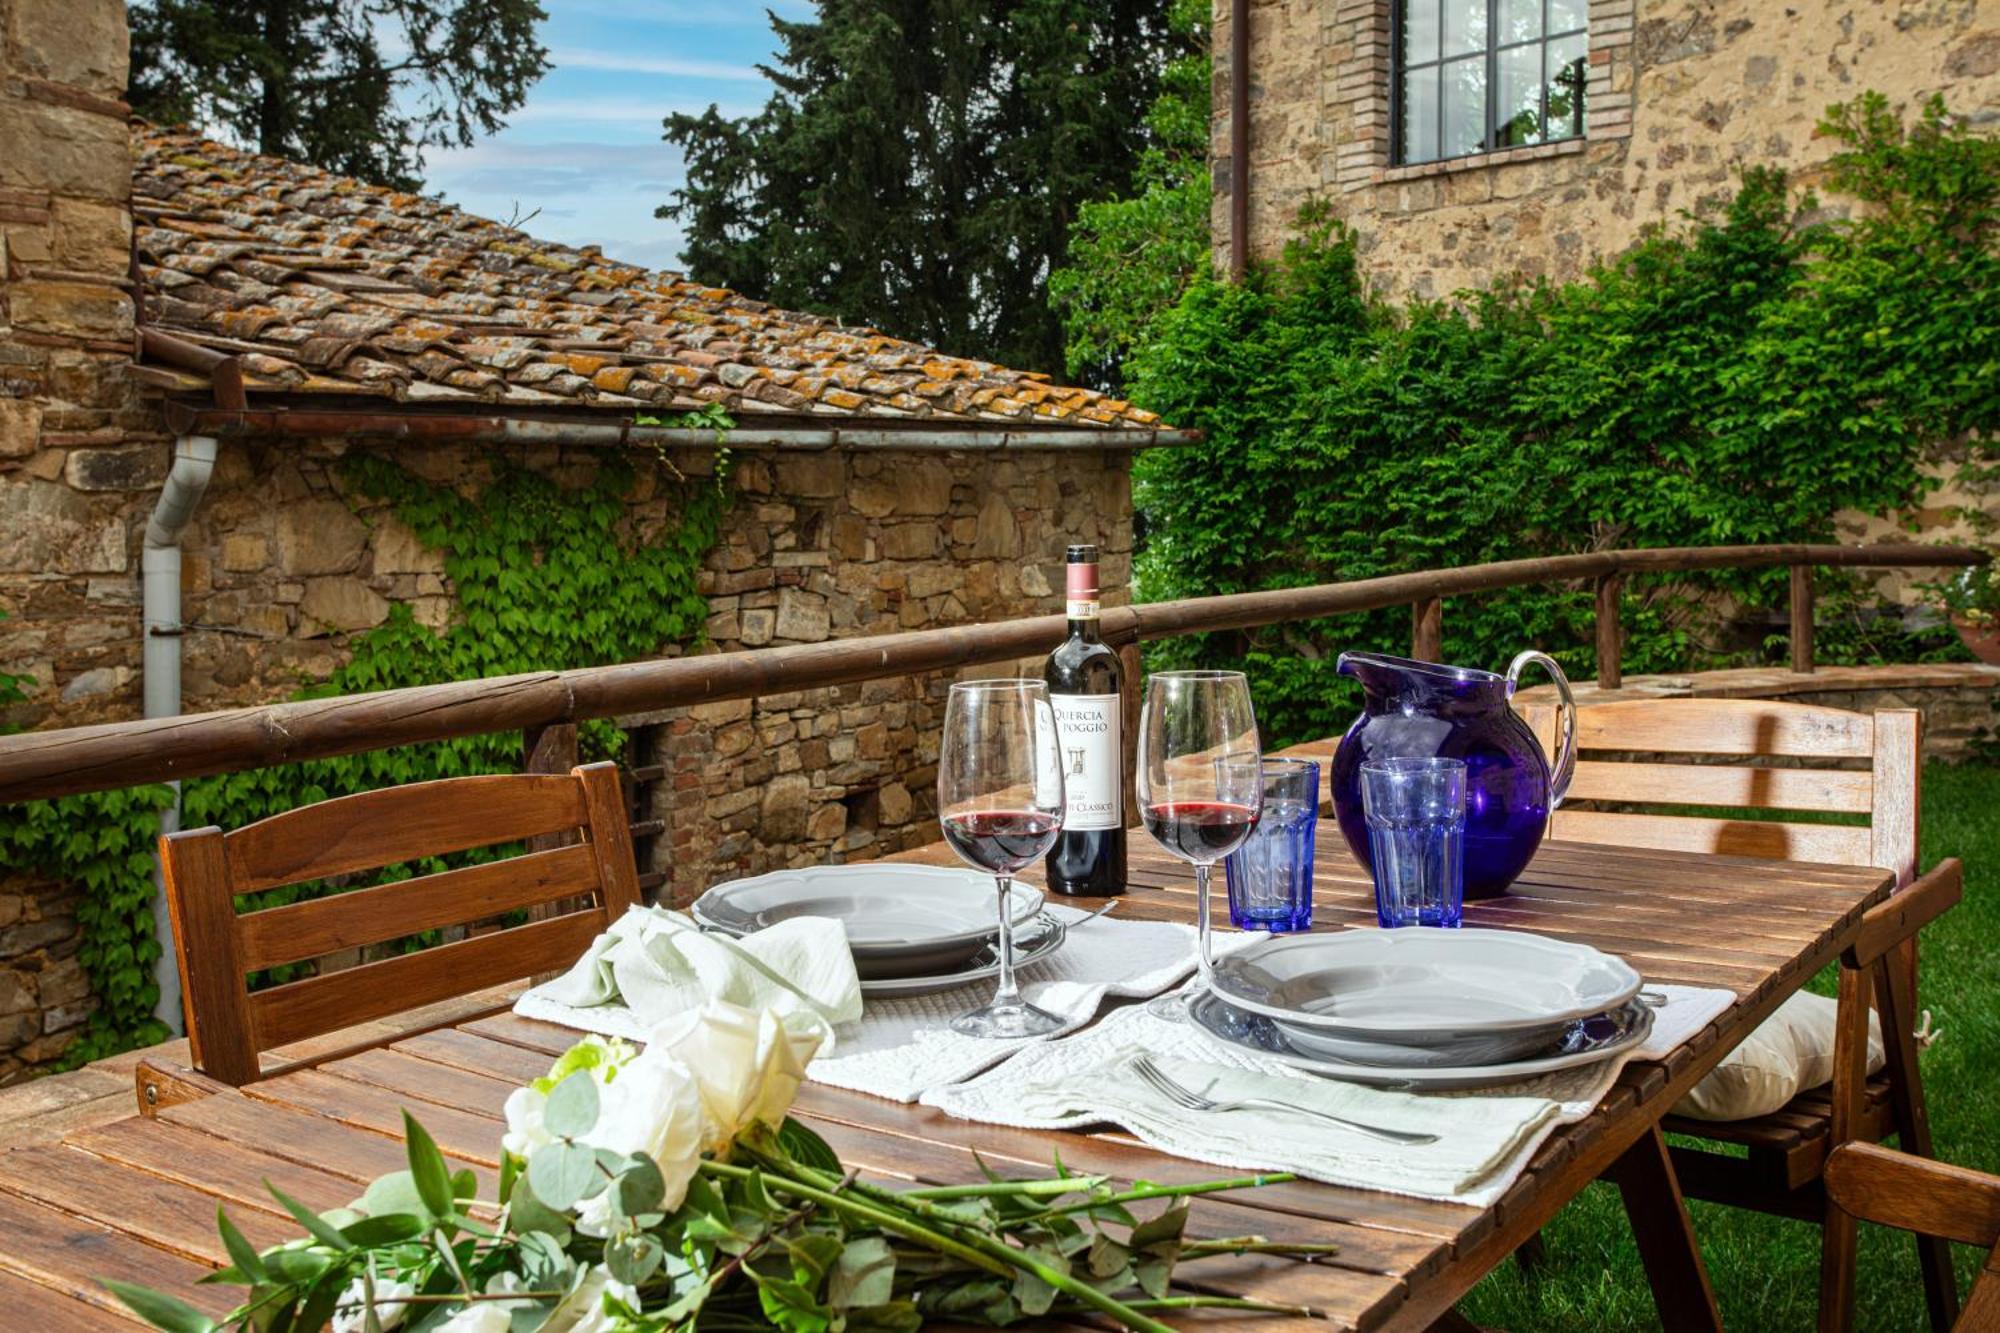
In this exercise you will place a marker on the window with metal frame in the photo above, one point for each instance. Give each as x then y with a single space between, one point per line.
1477 76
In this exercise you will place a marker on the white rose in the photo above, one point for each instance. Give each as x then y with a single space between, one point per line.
651 1105
389 1305
748 1064
525 1131
583 1311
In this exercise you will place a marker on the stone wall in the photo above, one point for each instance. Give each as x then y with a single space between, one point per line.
65 336
1681 93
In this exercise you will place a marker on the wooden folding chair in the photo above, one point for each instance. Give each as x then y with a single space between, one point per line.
1868 764
229 1025
1874 1184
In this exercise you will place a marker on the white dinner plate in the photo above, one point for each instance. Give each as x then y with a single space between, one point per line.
1419 986
901 920
1033 940
1584 1041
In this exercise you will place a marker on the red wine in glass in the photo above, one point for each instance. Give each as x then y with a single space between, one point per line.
1199 830
1000 841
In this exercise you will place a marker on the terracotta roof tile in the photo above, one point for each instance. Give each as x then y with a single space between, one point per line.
322 284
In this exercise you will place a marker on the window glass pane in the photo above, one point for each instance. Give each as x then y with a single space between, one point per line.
1464 106
1420 116
1567 72
1517 111
1464 26
1567 15
1520 20
1420 31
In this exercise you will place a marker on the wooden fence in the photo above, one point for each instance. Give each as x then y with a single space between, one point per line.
546 706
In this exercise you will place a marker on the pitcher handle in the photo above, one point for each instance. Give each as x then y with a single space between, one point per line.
1563 767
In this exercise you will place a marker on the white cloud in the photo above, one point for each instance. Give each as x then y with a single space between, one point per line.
580 58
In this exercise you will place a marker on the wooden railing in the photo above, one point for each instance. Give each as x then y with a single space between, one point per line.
546 706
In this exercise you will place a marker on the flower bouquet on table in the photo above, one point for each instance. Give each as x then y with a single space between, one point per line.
642 1191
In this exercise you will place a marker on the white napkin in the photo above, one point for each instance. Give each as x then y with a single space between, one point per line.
893 1048
1486 1136
901 1048
653 964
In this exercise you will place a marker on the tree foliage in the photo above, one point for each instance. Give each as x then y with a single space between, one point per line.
1741 379
359 87
1130 258
922 161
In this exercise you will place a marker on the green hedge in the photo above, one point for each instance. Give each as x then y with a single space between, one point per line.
1738 379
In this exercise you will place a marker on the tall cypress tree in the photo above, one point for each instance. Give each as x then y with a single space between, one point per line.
921 161
360 87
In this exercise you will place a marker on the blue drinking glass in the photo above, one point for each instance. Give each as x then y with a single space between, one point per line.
1415 810
1271 875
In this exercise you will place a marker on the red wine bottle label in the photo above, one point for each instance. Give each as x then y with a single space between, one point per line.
1093 767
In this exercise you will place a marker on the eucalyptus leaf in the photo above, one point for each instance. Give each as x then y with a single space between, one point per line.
864 1274
317 1227
561 1174
641 1187
634 1259
571 1111
393 1193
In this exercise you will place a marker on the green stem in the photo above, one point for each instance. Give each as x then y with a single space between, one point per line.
779 1172
1205 1303
852 1207
1201 1249
1053 1187
1142 1192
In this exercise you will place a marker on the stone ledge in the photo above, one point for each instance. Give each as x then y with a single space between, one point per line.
1504 157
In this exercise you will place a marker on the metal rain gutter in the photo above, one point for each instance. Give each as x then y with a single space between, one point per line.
160 649
504 428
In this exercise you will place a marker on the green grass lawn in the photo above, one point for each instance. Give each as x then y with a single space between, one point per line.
1766 1270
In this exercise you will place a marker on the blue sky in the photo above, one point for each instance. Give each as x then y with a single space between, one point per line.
585 149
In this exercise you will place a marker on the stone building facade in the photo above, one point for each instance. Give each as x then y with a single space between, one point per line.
877 486
1679 95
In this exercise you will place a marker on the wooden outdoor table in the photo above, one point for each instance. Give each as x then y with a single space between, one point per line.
136 1199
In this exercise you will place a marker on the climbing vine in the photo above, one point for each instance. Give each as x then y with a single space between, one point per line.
547 576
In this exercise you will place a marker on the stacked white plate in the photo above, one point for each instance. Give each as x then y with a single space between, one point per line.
1425 1008
912 929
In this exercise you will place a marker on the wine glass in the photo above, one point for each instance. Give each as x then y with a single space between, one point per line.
1000 800
1200 780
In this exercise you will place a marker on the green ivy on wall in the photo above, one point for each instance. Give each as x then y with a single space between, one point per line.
1740 379
547 577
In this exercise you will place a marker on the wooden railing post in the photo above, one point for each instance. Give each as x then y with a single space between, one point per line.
1610 633
1427 629
1802 619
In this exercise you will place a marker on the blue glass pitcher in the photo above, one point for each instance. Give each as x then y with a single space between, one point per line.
1417 710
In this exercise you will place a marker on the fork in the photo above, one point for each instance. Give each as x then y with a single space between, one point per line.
1158 1079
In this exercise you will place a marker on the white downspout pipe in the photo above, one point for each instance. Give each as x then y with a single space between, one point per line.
160 570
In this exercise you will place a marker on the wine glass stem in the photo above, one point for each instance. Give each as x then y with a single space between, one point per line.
1201 924
1007 993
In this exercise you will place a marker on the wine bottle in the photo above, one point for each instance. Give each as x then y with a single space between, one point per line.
1083 678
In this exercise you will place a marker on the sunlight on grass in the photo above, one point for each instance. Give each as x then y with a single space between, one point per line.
1766 1270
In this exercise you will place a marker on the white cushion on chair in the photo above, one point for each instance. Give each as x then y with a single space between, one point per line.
1789 1053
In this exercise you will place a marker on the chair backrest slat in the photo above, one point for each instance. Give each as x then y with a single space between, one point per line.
1843 790
313 929
1728 726
1762 838
318 1005
393 824
589 883
1889 741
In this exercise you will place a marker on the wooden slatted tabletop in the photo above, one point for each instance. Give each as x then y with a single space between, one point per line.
136 1199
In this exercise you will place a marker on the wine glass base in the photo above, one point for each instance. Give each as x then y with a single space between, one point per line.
1015 1019
1170 1008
